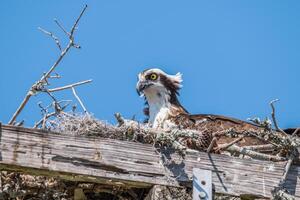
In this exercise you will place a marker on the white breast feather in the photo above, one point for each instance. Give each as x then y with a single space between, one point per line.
159 108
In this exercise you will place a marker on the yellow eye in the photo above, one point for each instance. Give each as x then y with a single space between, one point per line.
153 76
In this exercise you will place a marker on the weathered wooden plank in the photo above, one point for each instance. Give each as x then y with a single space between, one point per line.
43 151
130 164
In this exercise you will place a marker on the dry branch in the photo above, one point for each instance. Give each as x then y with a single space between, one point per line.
254 154
44 119
61 27
39 85
79 100
52 36
69 86
274 117
295 132
119 118
212 144
264 147
225 146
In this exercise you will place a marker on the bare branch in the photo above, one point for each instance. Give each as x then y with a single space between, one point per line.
21 123
61 27
77 46
52 96
76 22
70 44
79 100
45 117
295 132
52 36
41 83
57 110
55 76
63 53
274 117
69 86
20 108
44 122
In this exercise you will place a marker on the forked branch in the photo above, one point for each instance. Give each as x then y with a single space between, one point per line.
69 86
39 86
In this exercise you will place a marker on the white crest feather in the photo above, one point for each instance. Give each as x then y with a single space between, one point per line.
176 79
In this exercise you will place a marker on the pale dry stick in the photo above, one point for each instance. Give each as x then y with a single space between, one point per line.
274 117
34 88
188 133
120 119
44 109
69 86
225 146
264 147
43 119
295 132
55 102
55 76
44 122
22 105
21 123
61 26
212 144
178 146
70 44
52 36
79 100
76 22
57 111
254 154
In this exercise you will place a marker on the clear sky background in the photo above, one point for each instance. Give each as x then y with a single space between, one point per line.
235 56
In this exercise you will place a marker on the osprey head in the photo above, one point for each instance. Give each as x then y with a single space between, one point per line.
156 80
160 91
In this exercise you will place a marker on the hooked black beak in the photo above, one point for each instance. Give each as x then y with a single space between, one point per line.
142 85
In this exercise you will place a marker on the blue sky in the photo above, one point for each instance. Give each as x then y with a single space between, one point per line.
235 56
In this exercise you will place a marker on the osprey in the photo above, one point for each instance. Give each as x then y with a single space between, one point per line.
164 110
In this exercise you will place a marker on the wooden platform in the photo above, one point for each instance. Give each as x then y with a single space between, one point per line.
131 164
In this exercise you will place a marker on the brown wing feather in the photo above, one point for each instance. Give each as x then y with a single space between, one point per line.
217 123
209 124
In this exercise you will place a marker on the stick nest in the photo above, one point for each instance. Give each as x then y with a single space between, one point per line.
88 125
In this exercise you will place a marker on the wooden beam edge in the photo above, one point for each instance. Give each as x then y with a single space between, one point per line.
76 177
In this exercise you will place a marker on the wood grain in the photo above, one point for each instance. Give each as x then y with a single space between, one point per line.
130 164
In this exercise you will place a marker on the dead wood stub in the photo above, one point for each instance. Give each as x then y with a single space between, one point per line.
130 164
